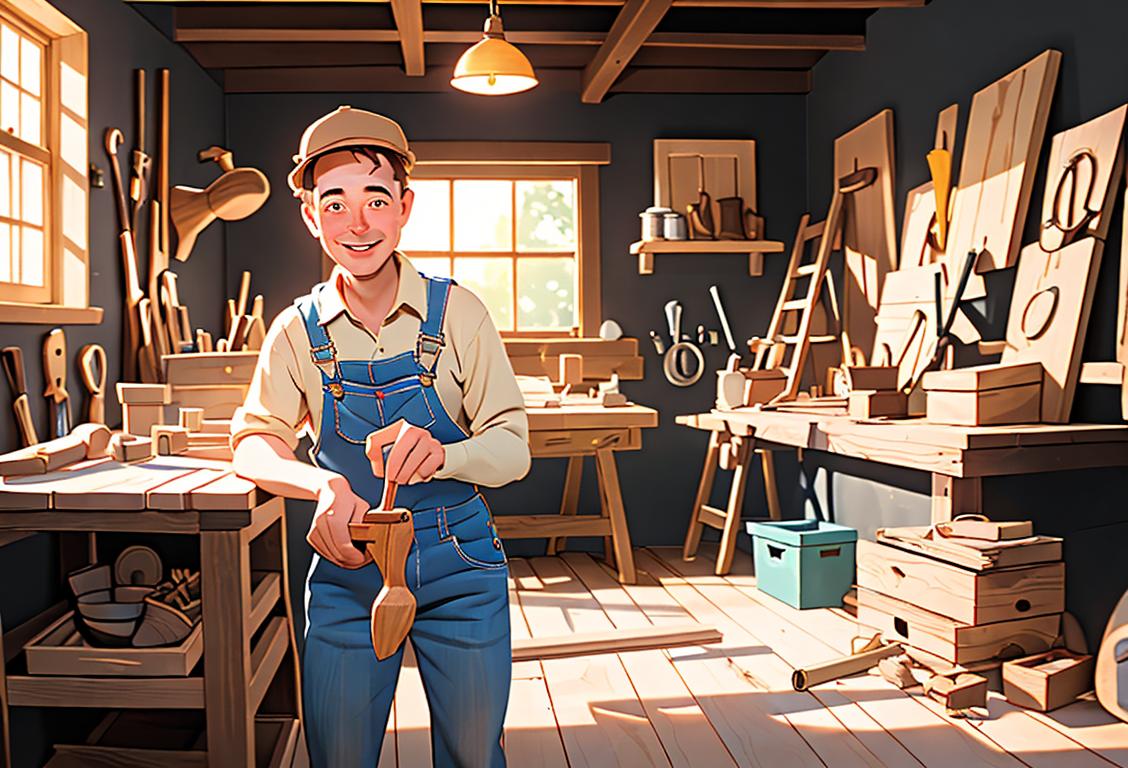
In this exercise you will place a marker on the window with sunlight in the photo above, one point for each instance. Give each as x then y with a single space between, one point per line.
512 241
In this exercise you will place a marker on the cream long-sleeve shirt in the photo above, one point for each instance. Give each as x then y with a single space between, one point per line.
474 379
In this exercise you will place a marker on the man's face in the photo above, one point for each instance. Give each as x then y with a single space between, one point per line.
357 211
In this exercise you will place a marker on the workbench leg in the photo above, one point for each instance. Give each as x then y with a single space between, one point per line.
570 502
620 535
704 488
727 549
5 730
952 496
225 582
771 492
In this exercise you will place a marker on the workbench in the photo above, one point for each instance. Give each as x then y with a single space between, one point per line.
247 685
958 458
576 431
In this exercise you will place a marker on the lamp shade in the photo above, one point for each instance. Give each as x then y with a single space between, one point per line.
492 66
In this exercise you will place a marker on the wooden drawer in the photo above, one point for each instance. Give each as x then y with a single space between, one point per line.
61 650
968 596
952 640
218 401
571 442
210 368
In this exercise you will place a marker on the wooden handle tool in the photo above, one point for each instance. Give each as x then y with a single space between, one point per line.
387 534
92 366
55 376
12 358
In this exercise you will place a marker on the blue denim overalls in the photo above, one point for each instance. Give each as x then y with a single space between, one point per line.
456 568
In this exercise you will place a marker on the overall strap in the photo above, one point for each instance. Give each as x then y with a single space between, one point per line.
322 351
430 343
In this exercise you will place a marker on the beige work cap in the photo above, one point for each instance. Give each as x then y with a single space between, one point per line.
348 127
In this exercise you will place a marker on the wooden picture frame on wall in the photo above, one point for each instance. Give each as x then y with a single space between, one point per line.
728 166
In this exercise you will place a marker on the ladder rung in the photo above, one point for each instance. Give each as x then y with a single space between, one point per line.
788 339
793 304
804 269
823 339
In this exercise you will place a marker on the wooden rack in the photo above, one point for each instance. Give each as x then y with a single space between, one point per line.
645 249
248 687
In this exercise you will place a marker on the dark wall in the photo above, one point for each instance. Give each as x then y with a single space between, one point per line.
120 40
917 61
659 481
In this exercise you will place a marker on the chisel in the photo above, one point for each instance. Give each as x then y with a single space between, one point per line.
12 358
55 374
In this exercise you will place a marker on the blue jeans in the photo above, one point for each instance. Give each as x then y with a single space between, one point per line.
458 572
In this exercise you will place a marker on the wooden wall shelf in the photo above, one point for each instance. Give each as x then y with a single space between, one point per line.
754 248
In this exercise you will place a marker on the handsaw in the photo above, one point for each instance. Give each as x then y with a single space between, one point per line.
387 534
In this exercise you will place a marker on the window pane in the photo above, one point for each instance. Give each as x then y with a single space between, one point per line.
5 253
483 215
16 254
5 183
546 294
29 66
9 108
492 281
9 53
32 271
29 119
546 216
31 207
428 229
432 266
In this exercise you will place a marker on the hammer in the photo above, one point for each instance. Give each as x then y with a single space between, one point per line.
387 534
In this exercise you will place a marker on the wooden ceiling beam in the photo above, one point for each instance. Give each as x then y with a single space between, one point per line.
409 22
633 80
766 4
634 24
718 40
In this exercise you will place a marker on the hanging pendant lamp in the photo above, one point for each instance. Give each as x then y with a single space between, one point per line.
492 66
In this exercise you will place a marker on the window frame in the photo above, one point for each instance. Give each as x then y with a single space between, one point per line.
65 298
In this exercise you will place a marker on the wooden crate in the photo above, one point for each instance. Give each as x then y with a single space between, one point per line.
61 650
953 640
1048 680
970 553
987 408
210 368
971 597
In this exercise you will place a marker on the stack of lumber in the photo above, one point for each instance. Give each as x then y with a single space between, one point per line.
967 591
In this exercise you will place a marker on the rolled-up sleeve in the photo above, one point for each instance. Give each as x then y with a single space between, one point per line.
497 451
275 403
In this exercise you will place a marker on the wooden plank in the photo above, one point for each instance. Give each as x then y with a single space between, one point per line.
632 26
263 598
408 15
992 407
266 657
92 520
175 494
93 756
612 641
683 167
681 725
541 526
599 713
532 735
592 417
106 693
226 492
977 378
750 701
869 231
612 495
124 487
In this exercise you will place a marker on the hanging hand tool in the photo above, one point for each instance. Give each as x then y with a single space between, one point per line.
940 166
142 163
55 375
92 366
659 345
716 294
131 327
387 534
673 320
12 358
235 195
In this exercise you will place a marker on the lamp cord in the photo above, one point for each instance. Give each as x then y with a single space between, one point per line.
494 9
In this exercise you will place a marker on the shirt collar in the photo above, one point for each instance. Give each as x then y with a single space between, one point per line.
411 292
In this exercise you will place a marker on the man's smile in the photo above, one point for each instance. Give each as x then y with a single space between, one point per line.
360 247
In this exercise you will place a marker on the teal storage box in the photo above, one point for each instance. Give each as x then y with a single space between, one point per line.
804 563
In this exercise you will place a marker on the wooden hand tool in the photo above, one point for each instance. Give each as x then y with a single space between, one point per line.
387 534
244 294
55 375
12 358
87 441
92 366
142 162
131 328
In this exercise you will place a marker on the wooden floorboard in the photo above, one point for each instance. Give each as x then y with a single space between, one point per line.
730 703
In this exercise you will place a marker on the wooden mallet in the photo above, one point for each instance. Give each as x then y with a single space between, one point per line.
387 534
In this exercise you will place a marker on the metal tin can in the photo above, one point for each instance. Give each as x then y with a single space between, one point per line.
652 224
673 226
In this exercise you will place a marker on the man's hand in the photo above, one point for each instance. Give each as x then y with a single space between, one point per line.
337 506
415 456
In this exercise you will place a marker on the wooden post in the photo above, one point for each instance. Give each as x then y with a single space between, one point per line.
5 732
569 503
704 487
727 549
226 596
952 496
771 491
620 535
